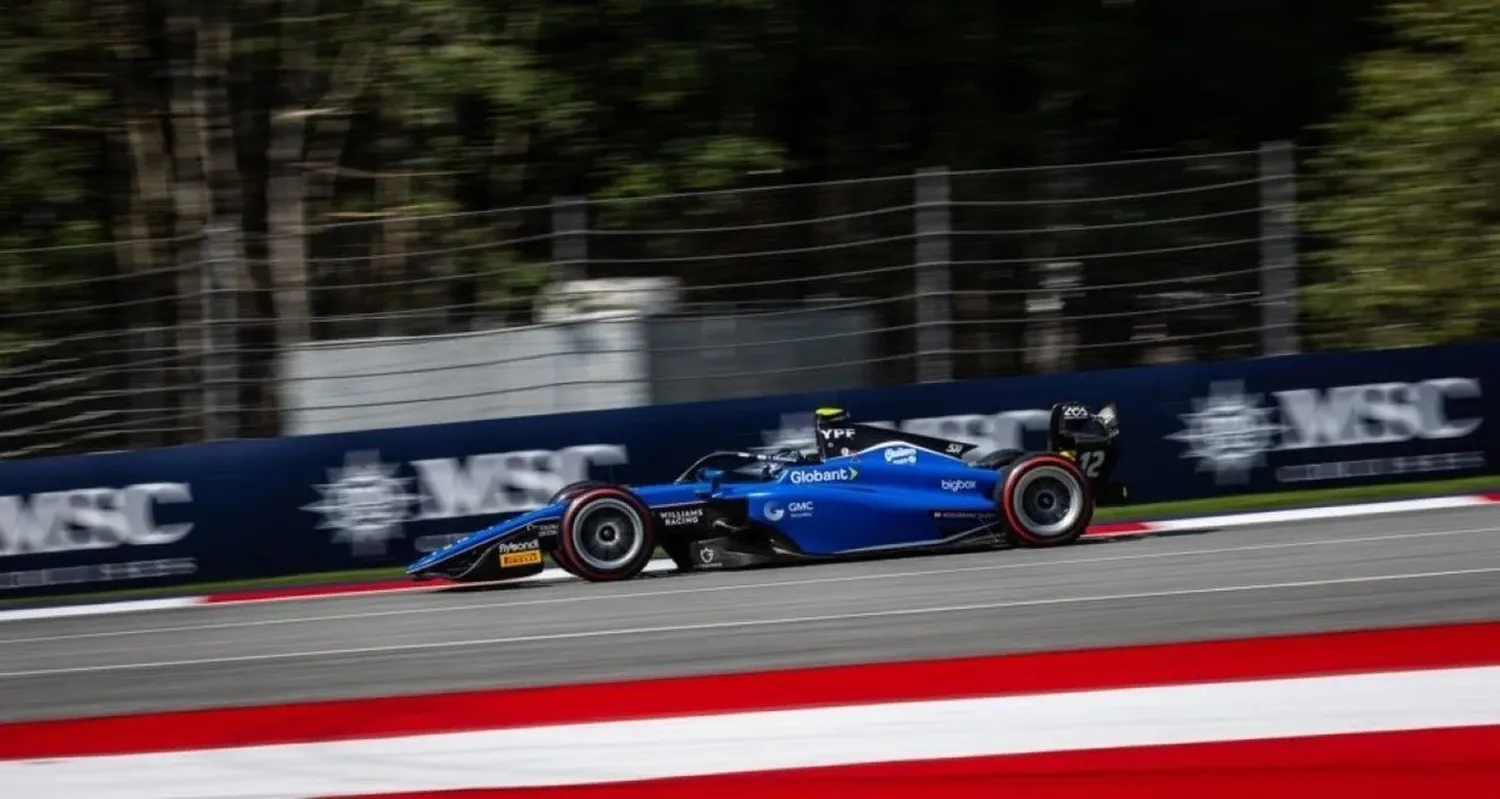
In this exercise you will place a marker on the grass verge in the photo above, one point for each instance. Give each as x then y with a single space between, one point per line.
1160 510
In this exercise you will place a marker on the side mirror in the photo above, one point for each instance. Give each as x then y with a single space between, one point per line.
713 477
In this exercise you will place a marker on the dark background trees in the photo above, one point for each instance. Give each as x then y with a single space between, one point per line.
328 168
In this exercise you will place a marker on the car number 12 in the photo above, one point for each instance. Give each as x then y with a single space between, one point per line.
1091 462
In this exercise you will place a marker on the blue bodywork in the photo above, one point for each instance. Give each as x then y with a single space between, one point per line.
894 492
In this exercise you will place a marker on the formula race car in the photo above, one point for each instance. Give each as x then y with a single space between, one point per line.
862 490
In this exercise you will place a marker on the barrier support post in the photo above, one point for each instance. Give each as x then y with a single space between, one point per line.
1278 248
933 309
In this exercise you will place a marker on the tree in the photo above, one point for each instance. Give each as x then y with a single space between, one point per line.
1406 205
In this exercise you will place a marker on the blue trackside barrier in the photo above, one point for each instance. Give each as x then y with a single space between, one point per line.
350 500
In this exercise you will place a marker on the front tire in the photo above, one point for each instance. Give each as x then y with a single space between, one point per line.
567 492
605 535
1045 500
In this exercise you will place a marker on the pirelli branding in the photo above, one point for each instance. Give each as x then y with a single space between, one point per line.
519 553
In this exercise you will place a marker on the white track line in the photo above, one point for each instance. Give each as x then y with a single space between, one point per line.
743 624
73 611
769 585
1318 514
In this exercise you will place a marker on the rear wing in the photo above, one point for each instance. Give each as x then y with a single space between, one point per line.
1092 439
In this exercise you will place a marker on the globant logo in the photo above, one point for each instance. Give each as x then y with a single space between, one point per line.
959 485
901 455
824 476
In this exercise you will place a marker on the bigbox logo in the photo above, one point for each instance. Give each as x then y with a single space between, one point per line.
1231 432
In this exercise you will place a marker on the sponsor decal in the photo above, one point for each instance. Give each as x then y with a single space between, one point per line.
364 502
678 517
90 519
959 485
901 455
964 515
708 557
1003 430
527 552
837 434
800 476
1232 433
368 503
530 558
1074 411
954 448
98 573
776 511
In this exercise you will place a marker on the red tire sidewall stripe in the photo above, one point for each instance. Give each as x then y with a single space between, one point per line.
565 527
1033 462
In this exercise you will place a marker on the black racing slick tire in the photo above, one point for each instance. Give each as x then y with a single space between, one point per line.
1045 500
571 489
606 534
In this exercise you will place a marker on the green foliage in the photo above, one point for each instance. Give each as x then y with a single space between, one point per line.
415 120
1405 196
52 128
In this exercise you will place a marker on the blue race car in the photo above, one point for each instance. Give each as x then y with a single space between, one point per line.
863 490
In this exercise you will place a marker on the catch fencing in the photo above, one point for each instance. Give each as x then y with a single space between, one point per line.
772 287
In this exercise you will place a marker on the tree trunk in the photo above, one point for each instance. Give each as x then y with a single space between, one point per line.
224 259
285 223
143 212
190 202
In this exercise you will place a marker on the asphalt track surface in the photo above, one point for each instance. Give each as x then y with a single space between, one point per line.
1394 570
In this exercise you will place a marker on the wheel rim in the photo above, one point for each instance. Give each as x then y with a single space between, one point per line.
607 534
1048 501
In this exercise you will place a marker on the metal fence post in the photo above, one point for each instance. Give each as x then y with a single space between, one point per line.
1278 248
570 246
933 311
220 372
147 386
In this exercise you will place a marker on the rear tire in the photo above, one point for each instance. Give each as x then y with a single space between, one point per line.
1045 500
605 535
